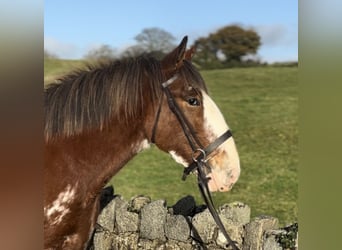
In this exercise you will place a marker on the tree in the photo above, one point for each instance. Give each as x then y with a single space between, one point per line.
133 51
103 52
154 40
206 54
49 55
226 46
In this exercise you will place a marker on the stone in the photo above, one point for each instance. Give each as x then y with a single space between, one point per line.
126 221
185 206
270 241
177 228
137 203
211 247
236 212
153 218
235 233
102 241
142 224
106 218
125 241
286 237
176 245
234 216
255 229
203 227
144 244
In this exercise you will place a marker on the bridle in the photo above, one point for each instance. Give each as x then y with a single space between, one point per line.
199 162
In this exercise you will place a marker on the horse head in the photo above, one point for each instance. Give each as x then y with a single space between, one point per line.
203 120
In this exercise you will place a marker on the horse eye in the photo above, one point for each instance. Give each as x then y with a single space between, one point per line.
193 101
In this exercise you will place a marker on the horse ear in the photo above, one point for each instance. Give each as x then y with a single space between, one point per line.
174 60
190 53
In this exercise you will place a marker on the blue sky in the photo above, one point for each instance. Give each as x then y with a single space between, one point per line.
71 28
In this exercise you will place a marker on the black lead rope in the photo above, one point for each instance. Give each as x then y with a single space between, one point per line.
198 164
203 187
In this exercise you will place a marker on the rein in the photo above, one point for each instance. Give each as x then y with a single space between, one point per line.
199 162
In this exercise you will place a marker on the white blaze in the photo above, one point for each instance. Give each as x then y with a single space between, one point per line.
214 121
215 125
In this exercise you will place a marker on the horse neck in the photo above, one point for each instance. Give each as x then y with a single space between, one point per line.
98 155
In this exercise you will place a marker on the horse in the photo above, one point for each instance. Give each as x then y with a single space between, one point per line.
98 118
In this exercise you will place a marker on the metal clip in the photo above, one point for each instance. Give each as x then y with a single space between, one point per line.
195 159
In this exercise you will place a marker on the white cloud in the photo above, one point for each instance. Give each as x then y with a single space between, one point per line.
277 35
278 42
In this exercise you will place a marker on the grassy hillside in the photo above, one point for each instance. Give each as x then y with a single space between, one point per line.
261 107
54 68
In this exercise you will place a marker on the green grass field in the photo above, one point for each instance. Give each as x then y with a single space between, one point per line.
261 107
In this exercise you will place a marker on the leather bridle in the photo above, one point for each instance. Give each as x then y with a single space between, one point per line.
199 162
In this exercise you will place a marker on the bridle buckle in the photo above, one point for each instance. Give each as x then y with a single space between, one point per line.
202 156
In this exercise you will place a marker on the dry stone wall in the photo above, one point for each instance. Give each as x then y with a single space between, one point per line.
144 224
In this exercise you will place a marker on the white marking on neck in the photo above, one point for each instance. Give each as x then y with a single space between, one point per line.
59 207
179 159
141 146
71 240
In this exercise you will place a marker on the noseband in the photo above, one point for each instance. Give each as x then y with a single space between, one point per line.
199 153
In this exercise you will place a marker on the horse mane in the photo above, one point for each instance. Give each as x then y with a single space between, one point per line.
92 97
